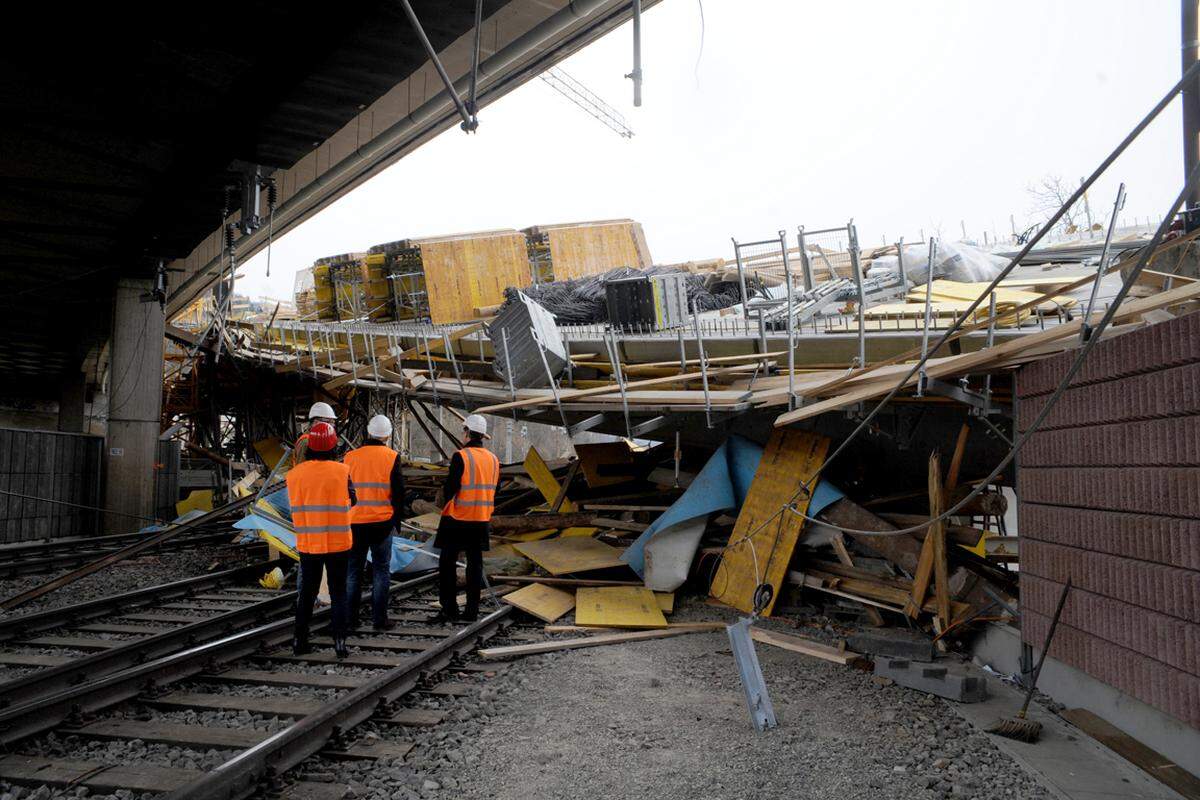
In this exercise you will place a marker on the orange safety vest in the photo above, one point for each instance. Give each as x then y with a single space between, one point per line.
477 494
320 497
371 471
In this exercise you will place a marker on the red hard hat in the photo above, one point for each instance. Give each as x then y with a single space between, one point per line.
322 437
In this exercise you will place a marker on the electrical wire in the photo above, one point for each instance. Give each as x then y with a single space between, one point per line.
78 505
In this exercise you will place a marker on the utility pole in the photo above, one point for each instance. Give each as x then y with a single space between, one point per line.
1190 40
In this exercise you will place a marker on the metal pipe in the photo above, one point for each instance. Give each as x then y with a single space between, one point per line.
1085 330
805 264
928 311
468 124
791 322
852 247
900 265
637 54
1190 41
737 255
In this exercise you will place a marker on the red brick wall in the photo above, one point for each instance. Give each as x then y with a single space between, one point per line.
1109 492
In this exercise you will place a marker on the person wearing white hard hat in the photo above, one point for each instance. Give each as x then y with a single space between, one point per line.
376 472
469 493
317 412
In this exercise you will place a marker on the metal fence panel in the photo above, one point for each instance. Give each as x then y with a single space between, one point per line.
57 467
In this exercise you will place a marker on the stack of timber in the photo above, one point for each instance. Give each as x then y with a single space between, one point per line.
570 250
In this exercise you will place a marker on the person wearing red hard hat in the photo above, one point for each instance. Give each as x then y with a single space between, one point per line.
321 494
317 412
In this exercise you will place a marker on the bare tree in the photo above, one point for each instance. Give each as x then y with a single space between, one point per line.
1047 196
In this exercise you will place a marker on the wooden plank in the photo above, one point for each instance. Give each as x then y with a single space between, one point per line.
572 582
113 627
544 602
207 605
1149 761
93 775
431 345
843 555
691 626
171 733
588 641
294 707
573 554
765 534
157 616
808 647
376 643
74 642
936 535
326 657
618 607
414 718
369 750
32 660
278 678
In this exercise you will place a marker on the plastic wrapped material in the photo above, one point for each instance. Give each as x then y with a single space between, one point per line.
955 261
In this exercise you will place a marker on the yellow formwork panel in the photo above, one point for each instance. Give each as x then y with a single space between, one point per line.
575 554
544 602
543 479
765 534
618 607
589 248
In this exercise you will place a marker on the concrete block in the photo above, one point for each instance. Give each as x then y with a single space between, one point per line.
951 681
893 643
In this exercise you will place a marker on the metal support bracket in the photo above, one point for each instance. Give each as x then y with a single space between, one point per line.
980 404
758 702
586 424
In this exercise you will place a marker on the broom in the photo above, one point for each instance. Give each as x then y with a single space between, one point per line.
1019 727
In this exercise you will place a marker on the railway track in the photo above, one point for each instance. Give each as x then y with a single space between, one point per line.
34 558
245 703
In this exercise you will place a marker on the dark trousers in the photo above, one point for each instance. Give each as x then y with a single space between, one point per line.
451 546
309 584
376 537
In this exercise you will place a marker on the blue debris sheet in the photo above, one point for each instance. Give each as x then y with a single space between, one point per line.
271 519
664 552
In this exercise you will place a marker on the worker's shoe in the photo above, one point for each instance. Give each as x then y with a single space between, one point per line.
301 647
380 627
470 616
340 649
442 618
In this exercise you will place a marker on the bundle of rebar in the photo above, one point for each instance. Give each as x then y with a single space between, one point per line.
582 301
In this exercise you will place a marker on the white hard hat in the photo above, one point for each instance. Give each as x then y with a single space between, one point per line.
379 427
476 424
321 411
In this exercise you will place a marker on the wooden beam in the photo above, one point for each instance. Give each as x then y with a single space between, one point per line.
806 647
589 641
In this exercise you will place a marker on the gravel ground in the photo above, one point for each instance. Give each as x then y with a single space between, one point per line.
125 576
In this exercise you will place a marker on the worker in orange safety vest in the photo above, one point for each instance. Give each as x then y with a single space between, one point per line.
321 495
465 525
376 471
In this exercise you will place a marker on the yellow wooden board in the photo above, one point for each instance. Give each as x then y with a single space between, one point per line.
468 271
544 602
764 536
531 536
574 554
666 601
270 450
589 248
618 607
426 522
201 499
543 479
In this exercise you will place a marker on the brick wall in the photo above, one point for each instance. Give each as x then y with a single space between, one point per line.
1109 493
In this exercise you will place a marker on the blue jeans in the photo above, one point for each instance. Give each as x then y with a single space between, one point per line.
376 537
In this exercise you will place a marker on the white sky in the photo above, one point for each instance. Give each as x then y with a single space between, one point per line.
903 115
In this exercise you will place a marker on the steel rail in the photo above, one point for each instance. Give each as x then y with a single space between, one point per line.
45 682
15 565
46 713
25 624
245 774
151 540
